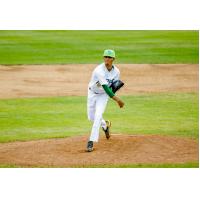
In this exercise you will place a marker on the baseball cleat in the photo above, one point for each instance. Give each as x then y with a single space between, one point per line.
107 130
90 146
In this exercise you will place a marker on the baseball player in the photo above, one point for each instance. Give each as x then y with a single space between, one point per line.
102 85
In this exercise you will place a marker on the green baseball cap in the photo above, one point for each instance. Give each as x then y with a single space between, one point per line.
109 52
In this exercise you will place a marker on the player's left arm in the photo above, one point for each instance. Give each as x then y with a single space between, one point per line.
112 95
116 85
108 91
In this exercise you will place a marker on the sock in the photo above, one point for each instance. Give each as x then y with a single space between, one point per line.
103 124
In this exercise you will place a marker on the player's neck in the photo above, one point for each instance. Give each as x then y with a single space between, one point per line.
109 67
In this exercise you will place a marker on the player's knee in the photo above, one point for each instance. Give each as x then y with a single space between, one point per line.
98 116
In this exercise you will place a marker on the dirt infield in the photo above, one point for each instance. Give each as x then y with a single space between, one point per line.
63 80
120 149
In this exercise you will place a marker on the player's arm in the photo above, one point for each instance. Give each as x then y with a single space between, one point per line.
117 99
110 93
108 90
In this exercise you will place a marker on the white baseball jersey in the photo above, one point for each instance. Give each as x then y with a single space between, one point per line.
102 76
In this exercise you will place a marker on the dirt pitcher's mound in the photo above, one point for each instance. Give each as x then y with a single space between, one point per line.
120 149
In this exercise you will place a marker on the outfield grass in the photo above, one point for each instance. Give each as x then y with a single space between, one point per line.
164 165
177 165
60 47
38 118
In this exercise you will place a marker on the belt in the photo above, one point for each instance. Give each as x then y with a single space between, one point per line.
93 91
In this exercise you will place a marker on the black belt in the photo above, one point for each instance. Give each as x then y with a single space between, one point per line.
93 91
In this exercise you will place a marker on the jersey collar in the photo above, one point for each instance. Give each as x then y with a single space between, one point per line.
107 69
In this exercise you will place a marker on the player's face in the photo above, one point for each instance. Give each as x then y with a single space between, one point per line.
108 60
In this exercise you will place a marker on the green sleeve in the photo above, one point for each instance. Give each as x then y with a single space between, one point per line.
108 91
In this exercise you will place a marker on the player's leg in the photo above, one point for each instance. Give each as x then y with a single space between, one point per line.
101 103
91 102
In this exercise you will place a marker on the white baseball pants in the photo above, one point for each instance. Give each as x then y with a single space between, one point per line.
96 105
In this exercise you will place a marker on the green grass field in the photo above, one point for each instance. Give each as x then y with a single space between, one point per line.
37 118
56 117
179 165
60 47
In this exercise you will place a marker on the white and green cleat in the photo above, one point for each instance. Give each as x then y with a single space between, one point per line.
107 130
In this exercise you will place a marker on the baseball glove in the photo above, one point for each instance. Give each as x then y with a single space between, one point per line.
116 85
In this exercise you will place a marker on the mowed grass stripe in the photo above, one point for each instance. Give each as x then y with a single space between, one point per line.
56 117
62 47
163 165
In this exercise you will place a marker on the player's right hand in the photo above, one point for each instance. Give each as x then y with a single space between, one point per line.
120 103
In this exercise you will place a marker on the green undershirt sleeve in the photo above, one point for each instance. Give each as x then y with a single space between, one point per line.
108 91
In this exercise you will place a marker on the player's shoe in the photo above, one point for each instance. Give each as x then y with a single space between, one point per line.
90 146
107 130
